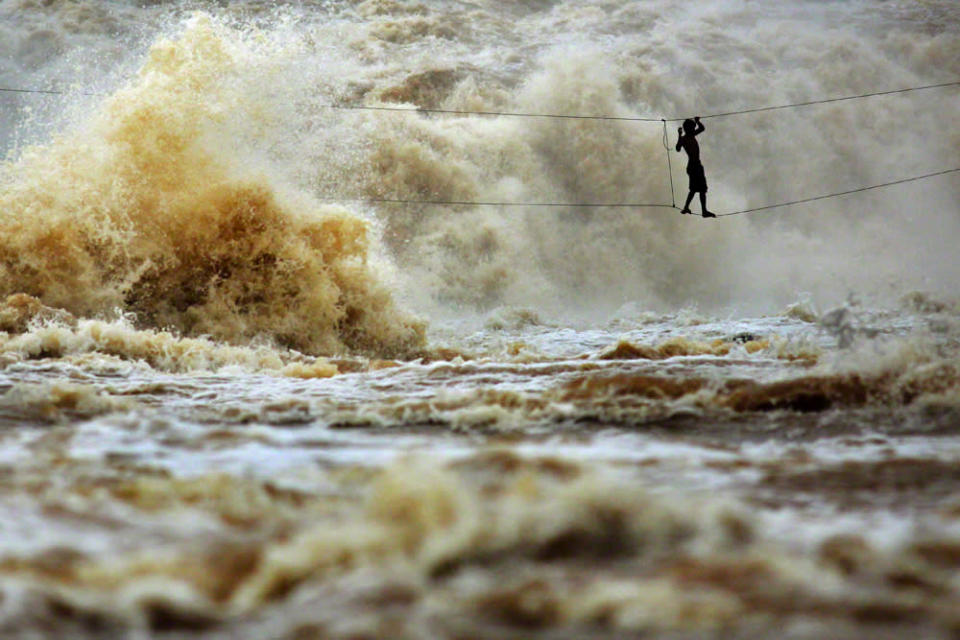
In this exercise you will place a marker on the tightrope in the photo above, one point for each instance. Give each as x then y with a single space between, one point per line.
508 114
825 101
55 92
492 203
566 116
839 193
630 205
515 114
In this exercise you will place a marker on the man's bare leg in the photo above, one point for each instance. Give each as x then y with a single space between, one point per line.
703 205
686 205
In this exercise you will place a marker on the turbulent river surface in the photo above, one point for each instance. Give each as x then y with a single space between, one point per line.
246 393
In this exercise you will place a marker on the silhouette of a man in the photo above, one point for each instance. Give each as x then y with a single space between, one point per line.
698 180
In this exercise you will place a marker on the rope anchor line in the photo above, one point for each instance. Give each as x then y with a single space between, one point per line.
841 193
666 146
494 203
518 114
637 205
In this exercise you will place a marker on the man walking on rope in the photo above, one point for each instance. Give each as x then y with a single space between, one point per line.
698 180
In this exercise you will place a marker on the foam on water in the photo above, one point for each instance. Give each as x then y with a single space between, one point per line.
142 210
238 400
225 140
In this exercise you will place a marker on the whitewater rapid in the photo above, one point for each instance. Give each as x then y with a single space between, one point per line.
245 393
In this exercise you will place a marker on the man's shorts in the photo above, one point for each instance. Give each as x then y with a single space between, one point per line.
698 180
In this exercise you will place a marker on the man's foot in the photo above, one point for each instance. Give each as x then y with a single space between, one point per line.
708 214
685 211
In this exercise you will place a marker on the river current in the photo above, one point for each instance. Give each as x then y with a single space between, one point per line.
244 393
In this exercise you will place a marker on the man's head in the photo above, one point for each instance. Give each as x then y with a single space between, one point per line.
689 125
